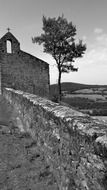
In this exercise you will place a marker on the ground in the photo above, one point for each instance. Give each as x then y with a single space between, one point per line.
22 166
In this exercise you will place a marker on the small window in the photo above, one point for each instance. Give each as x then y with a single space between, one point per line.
9 46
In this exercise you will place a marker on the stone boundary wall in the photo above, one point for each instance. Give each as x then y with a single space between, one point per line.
74 145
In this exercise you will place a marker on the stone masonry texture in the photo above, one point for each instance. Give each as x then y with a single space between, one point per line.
73 145
21 163
22 71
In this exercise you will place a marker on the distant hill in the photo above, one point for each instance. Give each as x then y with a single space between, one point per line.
71 87
91 99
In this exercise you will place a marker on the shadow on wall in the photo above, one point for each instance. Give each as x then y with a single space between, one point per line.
5 111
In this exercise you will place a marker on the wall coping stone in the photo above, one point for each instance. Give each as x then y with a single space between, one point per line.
74 144
86 125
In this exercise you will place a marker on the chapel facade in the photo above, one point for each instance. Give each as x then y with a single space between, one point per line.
21 70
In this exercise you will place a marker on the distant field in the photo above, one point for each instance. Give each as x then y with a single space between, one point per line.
96 94
71 87
92 91
91 99
89 96
101 117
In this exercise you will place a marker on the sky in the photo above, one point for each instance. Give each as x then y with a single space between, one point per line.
24 18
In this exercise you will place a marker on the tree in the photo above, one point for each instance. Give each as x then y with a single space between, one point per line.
58 40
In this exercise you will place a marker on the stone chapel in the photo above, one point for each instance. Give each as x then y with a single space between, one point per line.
21 70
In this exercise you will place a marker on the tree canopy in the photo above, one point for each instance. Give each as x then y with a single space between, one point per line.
58 39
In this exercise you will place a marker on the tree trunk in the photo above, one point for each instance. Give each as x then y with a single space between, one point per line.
59 86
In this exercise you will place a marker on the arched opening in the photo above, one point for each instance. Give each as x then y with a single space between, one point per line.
9 46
